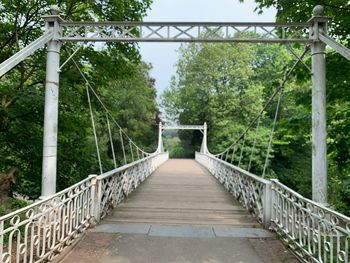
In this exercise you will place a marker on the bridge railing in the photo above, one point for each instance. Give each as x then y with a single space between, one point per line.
40 231
114 186
251 191
314 232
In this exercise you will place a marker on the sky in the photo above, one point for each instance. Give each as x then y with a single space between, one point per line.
163 56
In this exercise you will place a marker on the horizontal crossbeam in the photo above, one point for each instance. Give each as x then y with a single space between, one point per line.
183 127
185 32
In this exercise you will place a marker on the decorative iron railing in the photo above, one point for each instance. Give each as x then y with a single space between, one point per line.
39 232
314 232
117 184
250 190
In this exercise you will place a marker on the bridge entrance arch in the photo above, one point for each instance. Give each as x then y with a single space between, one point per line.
201 128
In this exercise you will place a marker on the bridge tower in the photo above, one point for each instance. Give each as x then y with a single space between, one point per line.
160 148
202 128
319 132
204 147
49 165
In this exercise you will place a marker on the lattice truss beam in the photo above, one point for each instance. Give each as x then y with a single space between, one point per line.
185 32
183 127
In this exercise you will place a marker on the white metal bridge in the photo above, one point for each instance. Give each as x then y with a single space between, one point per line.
39 232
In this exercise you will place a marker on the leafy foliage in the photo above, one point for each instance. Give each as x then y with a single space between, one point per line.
338 98
178 148
227 85
115 71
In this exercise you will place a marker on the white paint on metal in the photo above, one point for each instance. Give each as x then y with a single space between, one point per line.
40 231
319 133
185 32
183 127
160 139
205 139
250 190
21 55
314 232
342 50
49 166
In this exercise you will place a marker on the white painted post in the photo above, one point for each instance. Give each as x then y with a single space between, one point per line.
49 165
319 133
95 199
204 143
267 205
160 139
2 243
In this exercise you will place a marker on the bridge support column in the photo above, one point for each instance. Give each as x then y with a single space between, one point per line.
204 148
319 133
160 138
96 195
49 165
267 205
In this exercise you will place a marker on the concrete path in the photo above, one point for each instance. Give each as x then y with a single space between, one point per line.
180 214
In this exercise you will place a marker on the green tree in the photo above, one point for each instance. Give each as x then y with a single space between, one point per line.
226 86
337 95
107 67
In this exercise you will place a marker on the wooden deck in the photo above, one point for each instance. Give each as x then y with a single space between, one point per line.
180 214
181 192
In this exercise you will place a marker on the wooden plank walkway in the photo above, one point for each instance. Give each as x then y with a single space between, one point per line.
181 192
180 214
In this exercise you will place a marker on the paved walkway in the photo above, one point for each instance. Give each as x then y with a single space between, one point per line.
179 214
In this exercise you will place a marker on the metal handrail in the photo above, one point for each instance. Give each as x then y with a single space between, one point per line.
315 233
40 231
126 166
40 202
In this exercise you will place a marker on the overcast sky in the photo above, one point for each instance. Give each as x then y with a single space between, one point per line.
163 56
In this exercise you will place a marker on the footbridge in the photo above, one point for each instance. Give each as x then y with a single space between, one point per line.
152 209
160 210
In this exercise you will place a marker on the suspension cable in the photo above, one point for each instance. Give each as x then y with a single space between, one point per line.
242 149
233 153
94 130
289 48
254 143
101 102
269 101
69 58
122 143
227 156
132 154
111 141
271 134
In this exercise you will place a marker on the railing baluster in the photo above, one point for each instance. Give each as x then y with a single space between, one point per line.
34 232
315 233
